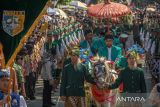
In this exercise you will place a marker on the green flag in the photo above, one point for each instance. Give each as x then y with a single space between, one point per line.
17 20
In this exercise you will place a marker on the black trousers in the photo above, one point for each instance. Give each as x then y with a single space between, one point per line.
30 85
47 89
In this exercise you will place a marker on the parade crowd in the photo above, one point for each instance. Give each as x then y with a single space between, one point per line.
89 59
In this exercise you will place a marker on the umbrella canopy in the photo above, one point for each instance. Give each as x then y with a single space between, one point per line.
50 11
108 10
150 9
56 11
78 4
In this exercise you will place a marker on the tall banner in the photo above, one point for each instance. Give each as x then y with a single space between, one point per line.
17 20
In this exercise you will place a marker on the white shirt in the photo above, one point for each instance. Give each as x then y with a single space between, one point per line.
109 54
129 41
22 102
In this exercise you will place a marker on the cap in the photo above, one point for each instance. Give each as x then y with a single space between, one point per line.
4 73
124 35
131 54
75 51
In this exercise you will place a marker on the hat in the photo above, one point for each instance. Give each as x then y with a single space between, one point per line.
75 51
131 54
4 73
109 36
124 35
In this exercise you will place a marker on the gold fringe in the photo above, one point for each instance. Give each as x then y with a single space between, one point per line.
2 56
25 38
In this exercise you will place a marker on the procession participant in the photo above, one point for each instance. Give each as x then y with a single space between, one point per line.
132 78
136 33
84 44
12 71
46 71
109 51
98 39
8 98
26 74
56 69
72 82
13 76
20 77
130 41
116 41
32 77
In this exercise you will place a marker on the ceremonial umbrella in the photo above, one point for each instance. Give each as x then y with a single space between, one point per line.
150 9
108 10
56 11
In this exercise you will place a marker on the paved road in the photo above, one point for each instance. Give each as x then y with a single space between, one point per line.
55 97
38 101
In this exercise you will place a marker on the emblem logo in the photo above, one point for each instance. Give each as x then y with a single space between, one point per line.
13 22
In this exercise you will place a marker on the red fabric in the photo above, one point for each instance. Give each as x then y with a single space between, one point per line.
99 95
121 87
111 62
122 40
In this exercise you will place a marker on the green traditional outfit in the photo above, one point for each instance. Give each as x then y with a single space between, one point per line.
133 81
116 52
72 85
116 41
96 43
84 44
121 63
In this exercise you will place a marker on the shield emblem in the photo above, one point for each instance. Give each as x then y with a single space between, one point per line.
13 22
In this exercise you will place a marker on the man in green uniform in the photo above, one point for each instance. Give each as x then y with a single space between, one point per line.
46 71
132 77
74 74
108 50
133 81
84 44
